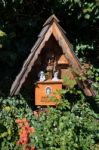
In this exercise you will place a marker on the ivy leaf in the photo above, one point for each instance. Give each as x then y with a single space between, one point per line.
87 16
2 33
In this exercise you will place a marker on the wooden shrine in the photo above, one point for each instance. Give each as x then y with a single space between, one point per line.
51 53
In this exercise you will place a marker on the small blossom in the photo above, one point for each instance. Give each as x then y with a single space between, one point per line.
24 132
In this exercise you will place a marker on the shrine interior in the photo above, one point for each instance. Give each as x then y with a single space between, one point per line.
50 59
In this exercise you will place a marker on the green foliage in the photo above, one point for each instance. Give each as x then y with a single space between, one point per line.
71 125
2 38
83 49
22 21
69 82
93 75
2 33
10 110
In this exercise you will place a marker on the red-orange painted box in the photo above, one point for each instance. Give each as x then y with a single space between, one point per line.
46 89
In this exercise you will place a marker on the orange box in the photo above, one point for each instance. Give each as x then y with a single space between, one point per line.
44 90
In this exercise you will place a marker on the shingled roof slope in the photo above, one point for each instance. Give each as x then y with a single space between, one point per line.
26 68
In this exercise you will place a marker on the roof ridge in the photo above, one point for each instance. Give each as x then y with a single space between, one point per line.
52 17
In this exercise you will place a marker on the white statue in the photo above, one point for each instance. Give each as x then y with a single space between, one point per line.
41 76
55 78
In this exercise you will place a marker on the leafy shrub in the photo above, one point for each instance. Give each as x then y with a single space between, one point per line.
10 110
70 126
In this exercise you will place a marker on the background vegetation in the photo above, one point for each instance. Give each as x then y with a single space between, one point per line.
20 23
22 20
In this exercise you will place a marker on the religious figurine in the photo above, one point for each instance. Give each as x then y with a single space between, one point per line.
41 76
48 90
55 78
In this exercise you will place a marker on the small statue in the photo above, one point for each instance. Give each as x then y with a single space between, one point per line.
41 76
55 78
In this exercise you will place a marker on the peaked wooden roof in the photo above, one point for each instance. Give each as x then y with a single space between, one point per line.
51 26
